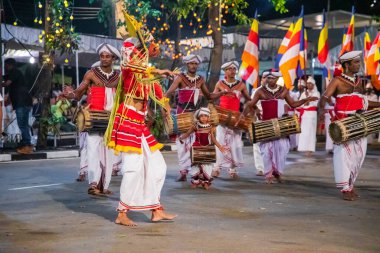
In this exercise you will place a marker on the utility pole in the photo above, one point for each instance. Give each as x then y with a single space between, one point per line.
44 84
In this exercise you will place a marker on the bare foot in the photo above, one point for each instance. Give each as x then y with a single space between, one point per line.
260 173
94 191
107 192
234 175
115 173
348 196
193 186
206 186
215 173
181 178
122 219
81 178
355 194
269 180
160 215
309 153
279 178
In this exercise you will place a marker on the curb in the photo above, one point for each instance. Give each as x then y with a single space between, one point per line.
39 155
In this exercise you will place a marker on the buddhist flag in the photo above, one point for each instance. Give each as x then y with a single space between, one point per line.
367 47
249 69
290 59
284 45
323 48
302 63
373 57
348 38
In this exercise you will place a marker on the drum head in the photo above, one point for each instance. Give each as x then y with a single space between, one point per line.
336 133
80 121
168 125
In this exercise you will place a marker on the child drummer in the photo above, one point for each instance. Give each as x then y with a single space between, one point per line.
204 137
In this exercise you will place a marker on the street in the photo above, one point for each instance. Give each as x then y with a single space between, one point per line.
43 209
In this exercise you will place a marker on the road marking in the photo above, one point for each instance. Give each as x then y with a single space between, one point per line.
35 186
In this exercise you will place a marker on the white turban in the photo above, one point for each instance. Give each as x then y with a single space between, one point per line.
351 55
230 64
96 64
202 111
272 73
107 48
192 58
310 79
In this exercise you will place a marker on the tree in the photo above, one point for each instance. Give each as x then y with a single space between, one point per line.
58 37
213 10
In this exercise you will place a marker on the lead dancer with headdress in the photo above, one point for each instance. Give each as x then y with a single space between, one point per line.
144 167
100 82
349 156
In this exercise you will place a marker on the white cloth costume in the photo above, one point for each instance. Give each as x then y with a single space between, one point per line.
257 158
329 114
308 136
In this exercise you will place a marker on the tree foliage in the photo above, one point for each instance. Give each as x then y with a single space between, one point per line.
61 36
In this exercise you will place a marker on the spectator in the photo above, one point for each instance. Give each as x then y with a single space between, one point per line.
21 102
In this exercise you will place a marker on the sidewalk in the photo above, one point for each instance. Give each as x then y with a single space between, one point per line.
73 151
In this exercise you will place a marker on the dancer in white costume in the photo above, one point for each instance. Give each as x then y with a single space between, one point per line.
273 97
235 90
348 156
100 82
308 118
190 87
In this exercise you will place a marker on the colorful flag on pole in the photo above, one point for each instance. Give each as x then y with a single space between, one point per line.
348 38
284 45
249 69
290 59
323 48
367 47
302 63
373 57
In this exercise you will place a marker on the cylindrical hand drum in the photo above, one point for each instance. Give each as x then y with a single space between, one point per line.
92 120
355 126
179 123
275 128
203 154
229 119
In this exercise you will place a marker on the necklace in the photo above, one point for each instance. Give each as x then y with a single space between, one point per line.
230 84
350 78
200 125
107 75
191 78
273 91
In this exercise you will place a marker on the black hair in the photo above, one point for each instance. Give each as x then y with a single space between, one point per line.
10 61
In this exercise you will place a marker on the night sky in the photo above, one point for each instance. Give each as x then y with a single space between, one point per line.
26 11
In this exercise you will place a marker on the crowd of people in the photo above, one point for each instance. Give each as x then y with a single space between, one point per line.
127 145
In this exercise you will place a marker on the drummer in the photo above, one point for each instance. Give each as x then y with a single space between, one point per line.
99 82
204 136
232 159
349 93
273 97
189 86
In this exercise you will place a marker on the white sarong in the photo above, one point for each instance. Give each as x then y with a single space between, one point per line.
329 142
183 151
274 156
143 178
231 139
83 153
348 159
257 158
100 161
308 136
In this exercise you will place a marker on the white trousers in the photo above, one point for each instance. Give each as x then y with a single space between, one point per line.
100 161
348 159
83 153
274 155
257 158
231 139
183 151
143 179
308 135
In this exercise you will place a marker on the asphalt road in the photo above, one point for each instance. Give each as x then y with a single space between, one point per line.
43 209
